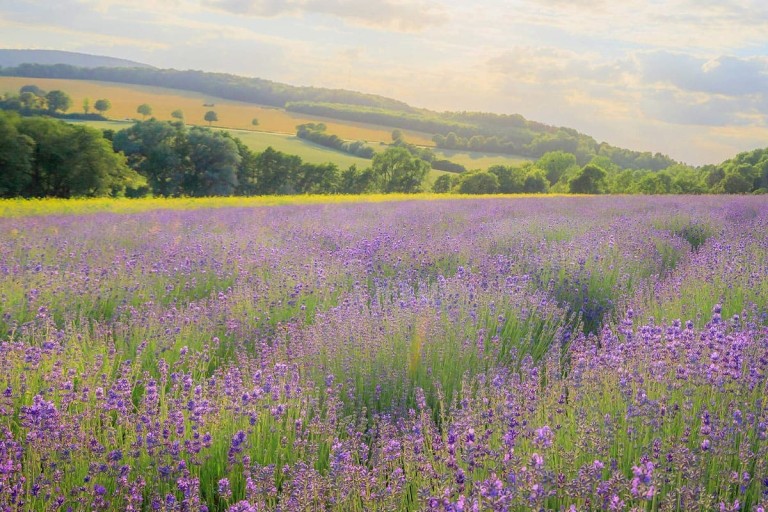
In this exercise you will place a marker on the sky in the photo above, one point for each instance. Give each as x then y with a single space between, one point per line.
688 78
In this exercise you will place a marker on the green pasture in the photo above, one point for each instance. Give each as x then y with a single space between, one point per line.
477 159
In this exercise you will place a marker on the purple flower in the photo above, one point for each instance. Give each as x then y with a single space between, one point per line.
544 437
224 489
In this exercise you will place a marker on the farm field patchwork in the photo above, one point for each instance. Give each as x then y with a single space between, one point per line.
125 98
548 353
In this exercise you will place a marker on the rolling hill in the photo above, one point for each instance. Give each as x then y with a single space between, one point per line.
125 98
13 58
509 134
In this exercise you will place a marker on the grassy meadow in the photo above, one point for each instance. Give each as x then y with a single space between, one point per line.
478 159
384 353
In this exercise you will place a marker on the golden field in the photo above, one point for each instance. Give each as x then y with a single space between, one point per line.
232 114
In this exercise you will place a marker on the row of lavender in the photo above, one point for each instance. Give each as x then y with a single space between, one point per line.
557 354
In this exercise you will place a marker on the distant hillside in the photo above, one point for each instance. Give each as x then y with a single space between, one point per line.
465 131
13 58
222 85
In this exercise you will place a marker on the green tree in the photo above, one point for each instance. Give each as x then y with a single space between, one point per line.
32 89
397 135
556 164
155 150
444 183
212 163
178 114
144 109
476 142
317 179
255 122
211 116
735 183
15 157
478 182
686 180
511 179
58 101
535 182
31 101
396 170
246 169
590 180
102 105
86 105
651 184
354 181
624 181
275 172
452 141
71 161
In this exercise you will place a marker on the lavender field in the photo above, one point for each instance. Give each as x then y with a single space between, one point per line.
474 355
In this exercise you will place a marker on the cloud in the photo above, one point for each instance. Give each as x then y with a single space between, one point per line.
727 75
701 25
682 108
662 86
552 65
412 16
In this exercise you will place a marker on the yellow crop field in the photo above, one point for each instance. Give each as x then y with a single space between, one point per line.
50 206
232 114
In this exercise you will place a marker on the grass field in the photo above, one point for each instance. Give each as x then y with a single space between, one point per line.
232 114
478 160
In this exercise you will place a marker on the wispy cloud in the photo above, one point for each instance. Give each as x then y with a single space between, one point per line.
410 16
703 25
727 75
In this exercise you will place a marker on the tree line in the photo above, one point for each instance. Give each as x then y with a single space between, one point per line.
179 161
496 133
46 157
560 172
31 100
43 156
316 132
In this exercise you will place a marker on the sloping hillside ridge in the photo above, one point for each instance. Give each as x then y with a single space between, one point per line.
13 58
